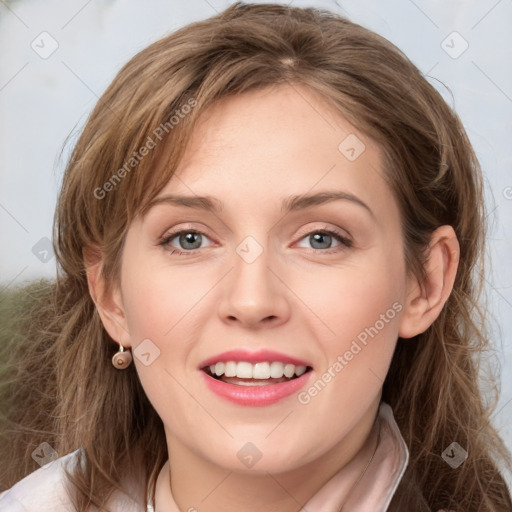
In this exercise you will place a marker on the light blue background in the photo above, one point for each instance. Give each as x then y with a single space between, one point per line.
43 100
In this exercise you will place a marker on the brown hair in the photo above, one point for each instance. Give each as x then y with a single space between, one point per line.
64 389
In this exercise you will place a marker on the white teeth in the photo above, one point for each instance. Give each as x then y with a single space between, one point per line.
244 370
299 370
263 370
230 370
276 370
289 370
219 369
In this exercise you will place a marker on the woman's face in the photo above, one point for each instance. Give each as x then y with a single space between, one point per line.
259 267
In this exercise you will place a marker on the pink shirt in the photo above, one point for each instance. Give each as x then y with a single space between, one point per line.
44 490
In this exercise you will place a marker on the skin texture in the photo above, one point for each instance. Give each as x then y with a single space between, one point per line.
309 299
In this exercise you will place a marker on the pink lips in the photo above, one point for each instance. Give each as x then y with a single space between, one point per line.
254 395
253 357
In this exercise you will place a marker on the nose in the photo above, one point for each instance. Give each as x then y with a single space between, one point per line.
254 294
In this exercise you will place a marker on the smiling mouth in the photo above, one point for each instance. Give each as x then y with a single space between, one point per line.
260 374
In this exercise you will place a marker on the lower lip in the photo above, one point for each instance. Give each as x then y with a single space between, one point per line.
256 396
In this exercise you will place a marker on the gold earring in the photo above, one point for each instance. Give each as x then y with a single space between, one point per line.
122 358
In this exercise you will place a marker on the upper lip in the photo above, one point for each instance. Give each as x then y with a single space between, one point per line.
259 356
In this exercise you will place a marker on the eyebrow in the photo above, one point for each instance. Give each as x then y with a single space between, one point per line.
290 204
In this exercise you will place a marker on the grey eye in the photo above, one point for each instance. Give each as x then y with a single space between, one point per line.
194 239
320 240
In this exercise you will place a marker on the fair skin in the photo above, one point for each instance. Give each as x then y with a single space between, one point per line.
306 298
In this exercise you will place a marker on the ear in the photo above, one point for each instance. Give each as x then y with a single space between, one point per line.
426 299
108 300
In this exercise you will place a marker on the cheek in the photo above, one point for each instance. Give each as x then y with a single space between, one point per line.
370 304
362 308
158 299
358 296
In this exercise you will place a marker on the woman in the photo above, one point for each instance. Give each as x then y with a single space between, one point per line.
259 368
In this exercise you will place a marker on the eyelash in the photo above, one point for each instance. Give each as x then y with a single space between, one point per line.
335 234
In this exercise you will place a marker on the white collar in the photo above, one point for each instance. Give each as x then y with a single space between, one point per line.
376 488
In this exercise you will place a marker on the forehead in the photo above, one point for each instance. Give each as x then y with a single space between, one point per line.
257 147
271 124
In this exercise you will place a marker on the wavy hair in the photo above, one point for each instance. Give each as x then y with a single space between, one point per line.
61 387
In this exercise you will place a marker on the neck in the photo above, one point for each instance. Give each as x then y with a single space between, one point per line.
197 484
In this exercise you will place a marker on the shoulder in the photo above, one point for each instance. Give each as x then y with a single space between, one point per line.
44 490
48 490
